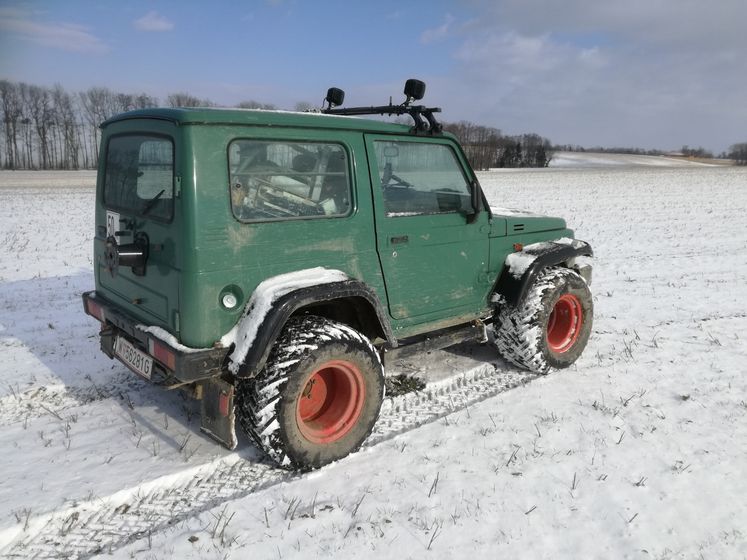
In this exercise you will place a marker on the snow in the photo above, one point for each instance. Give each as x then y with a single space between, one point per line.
164 336
638 451
605 160
402 214
519 263
498 211
268 291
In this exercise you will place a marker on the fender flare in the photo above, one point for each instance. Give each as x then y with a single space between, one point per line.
283 307
513 288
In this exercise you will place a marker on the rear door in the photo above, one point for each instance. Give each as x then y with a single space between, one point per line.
137 200
434 261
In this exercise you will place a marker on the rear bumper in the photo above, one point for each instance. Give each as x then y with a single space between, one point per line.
188 365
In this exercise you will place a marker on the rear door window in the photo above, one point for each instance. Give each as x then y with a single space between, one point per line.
139 175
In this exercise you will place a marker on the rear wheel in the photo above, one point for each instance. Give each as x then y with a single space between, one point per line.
551 327
319 396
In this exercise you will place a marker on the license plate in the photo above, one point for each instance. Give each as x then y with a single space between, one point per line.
137 361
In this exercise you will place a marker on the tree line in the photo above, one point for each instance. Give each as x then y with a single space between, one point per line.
736 152
51 128
487 147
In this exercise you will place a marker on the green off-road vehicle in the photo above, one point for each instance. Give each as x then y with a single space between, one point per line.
272 262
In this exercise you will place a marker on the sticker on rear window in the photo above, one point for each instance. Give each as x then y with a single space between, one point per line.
112 223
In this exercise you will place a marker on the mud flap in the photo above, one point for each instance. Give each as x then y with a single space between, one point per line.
218 419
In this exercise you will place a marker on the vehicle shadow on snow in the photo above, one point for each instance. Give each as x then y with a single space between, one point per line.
435 365
44 329
46 334
174 418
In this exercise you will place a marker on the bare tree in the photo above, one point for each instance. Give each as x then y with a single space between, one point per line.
696 152
181 99
303 106
66 117
738 152
480 143
251 104
144 101
40 111
97 106
12 111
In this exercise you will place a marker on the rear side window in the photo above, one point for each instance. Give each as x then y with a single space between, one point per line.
288 180
421 178
139 175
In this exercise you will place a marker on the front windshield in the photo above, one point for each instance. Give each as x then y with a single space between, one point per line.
139 176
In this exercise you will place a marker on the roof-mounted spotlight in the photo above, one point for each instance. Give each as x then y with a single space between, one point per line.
335 97
414 90
425 120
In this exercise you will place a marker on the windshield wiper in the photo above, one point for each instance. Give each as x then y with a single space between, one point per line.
149 205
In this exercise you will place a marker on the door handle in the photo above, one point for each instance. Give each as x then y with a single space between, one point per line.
399 239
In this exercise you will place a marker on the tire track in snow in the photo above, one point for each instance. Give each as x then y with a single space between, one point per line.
110 523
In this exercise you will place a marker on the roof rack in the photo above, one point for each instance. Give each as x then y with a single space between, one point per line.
425 121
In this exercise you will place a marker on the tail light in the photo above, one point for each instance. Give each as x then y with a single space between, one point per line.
95 310
162 353
224 404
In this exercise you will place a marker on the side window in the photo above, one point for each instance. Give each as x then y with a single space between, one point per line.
421 178
287 180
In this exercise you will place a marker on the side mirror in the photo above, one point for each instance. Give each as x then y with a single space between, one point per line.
391 152
475 202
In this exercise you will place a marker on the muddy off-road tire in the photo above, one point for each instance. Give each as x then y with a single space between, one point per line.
551 327
317 399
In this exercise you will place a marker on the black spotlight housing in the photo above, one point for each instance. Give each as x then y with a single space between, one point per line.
414 90
335 97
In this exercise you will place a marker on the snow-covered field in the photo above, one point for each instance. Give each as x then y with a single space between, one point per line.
593 159
639 451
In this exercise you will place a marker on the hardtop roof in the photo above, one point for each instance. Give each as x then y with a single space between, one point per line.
257 117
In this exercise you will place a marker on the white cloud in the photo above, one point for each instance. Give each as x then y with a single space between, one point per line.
642 73
152 21
437 33
57 35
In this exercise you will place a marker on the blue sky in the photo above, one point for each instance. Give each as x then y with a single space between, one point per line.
647 73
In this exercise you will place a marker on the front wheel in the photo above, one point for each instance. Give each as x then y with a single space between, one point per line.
551 327
319 396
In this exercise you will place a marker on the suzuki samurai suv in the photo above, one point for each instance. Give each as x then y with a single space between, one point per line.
271 262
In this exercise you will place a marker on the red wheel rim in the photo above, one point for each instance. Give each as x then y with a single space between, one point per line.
331 402
564 324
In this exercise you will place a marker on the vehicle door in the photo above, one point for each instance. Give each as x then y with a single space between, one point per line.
433 253
138 205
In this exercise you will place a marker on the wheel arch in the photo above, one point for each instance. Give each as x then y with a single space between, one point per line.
350 302
513 288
